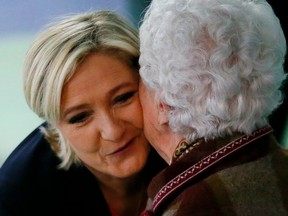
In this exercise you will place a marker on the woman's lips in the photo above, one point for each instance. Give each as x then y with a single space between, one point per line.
120 149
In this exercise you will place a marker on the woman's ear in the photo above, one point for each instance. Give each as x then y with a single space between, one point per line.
163 110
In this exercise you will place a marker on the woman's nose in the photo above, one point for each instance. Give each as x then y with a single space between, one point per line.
111 128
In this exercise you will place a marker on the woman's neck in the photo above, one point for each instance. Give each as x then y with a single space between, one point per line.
124 196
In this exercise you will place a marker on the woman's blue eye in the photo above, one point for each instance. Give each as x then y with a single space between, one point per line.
81 117
124 97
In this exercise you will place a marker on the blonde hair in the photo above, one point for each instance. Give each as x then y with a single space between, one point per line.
55 54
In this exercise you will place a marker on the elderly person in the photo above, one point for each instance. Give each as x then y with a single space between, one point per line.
211 75
81 76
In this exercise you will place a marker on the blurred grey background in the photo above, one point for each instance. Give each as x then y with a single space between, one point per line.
21 20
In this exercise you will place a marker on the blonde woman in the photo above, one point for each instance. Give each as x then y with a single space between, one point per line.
90 157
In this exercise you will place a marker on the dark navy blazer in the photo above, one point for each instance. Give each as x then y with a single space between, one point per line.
32 185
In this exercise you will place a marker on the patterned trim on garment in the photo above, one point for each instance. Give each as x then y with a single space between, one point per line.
205 163
184 148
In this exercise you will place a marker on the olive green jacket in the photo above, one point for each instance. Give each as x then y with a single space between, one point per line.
250 179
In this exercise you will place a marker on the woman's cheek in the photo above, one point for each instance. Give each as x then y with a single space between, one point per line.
136 114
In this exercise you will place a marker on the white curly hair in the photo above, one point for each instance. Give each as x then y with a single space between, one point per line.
217 63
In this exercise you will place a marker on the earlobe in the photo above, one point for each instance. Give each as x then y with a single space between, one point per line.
163 110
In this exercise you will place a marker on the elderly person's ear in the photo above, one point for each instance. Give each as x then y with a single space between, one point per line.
163 112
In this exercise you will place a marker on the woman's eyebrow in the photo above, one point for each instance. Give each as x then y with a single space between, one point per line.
73 109
118 87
